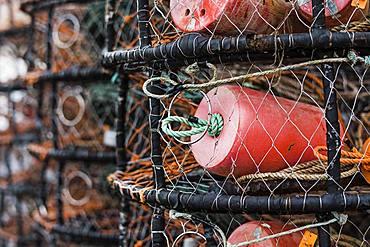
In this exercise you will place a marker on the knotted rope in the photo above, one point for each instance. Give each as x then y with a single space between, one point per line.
198 126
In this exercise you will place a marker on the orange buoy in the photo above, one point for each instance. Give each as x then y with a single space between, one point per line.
260 132
337 12
256 229
228 16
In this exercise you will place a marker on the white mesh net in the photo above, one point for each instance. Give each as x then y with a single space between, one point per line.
251 123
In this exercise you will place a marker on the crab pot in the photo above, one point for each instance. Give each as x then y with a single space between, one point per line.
256 229
261 132
228 16
337 12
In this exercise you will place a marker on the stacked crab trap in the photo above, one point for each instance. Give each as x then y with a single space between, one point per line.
76 147
184 123
18 108
258 119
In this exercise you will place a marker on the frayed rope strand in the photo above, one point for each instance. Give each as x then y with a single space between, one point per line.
352 58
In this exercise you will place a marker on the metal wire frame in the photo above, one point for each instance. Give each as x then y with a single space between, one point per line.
17 232
120 155
18 185
72 74
14 32
34 6
196 46
193 47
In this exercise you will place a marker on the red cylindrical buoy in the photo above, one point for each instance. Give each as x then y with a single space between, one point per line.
256 229
261 132
228 16
337 12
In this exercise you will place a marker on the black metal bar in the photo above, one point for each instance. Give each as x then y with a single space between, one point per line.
121 155
49 40
22 139
29 56
8 165
331 116
157 223
324 231
333 139
14 32
43 183
20 189
80 155
197 46
171 64
19 218
214 203
110 16
73 74
143 23
54 124
40 87
33 6
2 206
13 87
58 193
85 237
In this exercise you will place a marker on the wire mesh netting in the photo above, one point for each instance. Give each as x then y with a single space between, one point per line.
260 129
213 122
57 90
18 170
77 146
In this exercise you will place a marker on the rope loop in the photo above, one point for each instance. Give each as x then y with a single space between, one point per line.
197 125
165 94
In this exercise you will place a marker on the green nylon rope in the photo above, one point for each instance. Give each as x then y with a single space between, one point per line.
198 126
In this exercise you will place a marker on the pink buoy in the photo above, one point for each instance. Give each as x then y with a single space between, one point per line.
256 229
337 12
260 132
228 16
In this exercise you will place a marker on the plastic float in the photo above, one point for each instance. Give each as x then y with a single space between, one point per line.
261 132
228 16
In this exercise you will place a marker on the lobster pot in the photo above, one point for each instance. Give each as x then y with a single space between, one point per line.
256 229
228 16
261 132
337 12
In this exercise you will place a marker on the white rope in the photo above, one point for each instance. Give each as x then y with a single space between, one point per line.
215 83
340 218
